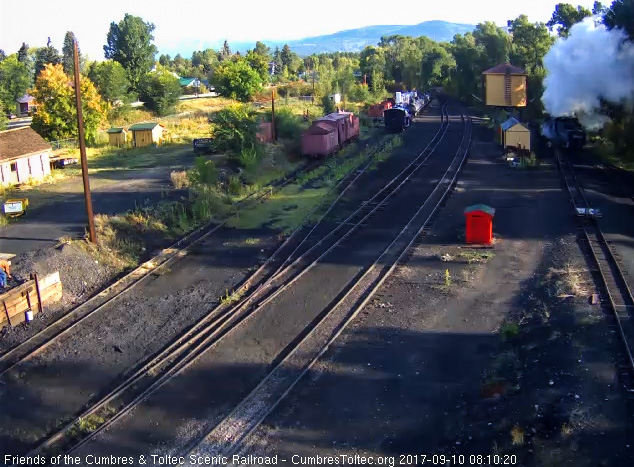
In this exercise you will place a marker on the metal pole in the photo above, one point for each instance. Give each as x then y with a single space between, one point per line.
273 112
82 149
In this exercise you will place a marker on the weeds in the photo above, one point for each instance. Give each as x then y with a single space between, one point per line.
230 298
448 281
252 241
517 435
509 330
180 179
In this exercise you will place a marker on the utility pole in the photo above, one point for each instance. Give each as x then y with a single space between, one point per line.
273 113
82 149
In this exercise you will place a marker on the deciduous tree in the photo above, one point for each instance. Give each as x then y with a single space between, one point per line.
160 91
56 116
565 16
237 80
15 79
111 81
130 43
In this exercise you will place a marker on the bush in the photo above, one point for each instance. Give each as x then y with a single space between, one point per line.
287 124
204 172
249 157
235 128
180 179
234 185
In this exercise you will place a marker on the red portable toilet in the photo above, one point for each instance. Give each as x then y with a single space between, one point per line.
479 224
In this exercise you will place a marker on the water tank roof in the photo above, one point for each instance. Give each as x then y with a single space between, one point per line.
503 69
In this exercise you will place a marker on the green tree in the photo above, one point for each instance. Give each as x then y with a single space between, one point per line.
130 43
262 49
286 56
23 53
160 91
206 60
565 16
165 60
111 81
621 15
495 41
15 79
237 80
46 55
4 121
56 116
259 63
225 52
2 55
68 59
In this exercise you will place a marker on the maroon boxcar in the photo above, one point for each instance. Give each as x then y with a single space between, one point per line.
376 110
320 140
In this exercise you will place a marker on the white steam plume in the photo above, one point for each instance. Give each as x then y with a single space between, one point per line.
592 62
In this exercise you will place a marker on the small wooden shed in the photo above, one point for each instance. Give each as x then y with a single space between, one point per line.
117 136
515 134
505 86
146 134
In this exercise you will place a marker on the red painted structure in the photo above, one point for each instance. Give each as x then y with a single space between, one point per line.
329 133
376 110
479 227
319 140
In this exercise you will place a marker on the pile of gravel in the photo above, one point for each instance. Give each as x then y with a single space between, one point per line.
80 273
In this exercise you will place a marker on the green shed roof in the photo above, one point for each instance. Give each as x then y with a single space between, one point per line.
481 207
144 126
114 130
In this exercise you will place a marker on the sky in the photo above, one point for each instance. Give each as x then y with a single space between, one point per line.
200 24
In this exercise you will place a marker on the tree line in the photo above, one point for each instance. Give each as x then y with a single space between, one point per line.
396 62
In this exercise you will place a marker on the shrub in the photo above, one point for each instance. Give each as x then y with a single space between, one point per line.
180 179
204 172
235 128
249 157
234 185
237 80
287 124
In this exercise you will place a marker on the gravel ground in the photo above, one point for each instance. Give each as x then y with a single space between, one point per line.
81 276
434 366
39 395
241 359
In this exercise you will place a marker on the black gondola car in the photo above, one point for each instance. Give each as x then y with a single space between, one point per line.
397 118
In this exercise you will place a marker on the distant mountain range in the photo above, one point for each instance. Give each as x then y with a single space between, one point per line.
352 40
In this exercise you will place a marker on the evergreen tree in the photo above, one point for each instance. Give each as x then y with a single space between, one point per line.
23 53
68 60
44 56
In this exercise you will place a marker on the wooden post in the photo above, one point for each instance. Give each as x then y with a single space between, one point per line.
82 149
6 312
37 290
28 300
273 113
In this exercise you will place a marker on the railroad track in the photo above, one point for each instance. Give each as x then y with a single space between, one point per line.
230 434
242 316
184 351
40 341
614 292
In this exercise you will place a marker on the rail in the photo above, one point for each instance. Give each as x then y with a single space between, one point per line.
186 350
613 288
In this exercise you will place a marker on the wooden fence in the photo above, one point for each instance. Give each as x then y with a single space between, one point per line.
31 295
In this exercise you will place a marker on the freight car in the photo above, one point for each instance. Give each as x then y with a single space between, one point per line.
375 112
564 132
397 118
328 134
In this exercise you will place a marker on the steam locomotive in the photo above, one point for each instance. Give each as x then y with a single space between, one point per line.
564 132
